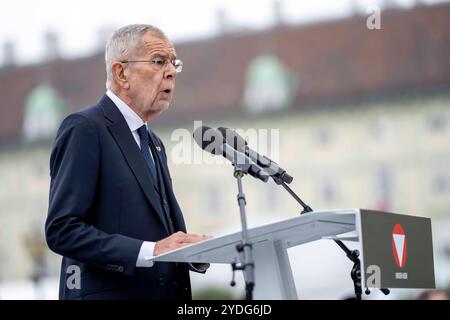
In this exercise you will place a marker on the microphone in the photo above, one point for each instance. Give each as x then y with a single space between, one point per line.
213 142
238 143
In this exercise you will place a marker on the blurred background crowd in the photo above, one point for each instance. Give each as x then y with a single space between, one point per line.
363 118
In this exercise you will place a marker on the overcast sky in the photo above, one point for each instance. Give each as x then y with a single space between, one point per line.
77 23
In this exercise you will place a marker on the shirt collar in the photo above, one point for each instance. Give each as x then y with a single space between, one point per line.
132 118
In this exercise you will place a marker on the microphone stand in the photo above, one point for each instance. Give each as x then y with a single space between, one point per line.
353 255
305 207
244 248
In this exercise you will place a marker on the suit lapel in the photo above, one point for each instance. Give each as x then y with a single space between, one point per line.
124 139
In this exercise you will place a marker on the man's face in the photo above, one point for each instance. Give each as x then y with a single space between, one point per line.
151 86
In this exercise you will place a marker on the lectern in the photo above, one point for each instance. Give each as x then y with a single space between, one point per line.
396 250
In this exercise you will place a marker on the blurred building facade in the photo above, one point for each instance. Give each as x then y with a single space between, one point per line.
363 118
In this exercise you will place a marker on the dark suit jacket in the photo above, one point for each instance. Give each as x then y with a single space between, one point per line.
103 204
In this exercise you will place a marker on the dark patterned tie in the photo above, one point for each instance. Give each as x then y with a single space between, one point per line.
145 144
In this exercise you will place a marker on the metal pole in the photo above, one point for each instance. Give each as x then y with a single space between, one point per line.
245 249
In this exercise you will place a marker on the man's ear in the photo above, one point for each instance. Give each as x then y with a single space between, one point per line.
119 75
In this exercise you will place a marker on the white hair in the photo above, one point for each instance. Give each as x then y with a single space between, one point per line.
124 42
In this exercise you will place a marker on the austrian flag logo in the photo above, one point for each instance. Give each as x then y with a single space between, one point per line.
399 245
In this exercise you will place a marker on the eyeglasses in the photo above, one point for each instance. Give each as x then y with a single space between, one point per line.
161 63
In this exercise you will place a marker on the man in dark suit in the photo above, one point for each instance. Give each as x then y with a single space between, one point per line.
111 204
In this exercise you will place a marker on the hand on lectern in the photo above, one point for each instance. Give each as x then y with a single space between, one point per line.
177 240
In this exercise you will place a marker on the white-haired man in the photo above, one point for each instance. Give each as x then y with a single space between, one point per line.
112 204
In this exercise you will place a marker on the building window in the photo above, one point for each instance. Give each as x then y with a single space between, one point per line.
272 201
328 191
436 122
380 128
213 203
384 186
323 137
440 183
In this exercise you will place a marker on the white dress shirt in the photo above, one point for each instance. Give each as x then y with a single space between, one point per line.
135 122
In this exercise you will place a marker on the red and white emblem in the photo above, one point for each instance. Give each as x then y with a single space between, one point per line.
399 245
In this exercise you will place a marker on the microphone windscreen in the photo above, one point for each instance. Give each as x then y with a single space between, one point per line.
209 139
233 139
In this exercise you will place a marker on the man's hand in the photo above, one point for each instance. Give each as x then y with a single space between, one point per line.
177 240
